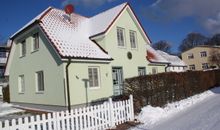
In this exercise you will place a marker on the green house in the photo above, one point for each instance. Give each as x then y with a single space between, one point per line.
59 59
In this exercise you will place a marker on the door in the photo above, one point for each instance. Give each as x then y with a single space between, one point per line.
117 76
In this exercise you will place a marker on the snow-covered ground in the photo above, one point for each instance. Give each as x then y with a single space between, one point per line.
199 112
7 109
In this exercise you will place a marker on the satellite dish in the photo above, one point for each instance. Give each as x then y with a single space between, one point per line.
69 9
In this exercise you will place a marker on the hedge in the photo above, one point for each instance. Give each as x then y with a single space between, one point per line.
160 89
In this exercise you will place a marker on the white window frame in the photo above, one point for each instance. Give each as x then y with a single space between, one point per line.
133 39
38 88
21 84
35 45
94 83
192 67
23 50
140 71
203 54
205 66
121 37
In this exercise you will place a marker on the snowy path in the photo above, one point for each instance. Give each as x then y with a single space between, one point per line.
203 115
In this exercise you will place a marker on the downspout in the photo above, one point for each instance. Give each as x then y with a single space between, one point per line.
168 65
67 84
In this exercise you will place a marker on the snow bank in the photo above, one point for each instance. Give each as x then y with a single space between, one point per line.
6 108
152 115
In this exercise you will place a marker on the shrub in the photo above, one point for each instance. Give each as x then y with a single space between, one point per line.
160 89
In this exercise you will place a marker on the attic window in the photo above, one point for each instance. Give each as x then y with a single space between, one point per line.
120 36
35 41
23 48
190 56
133 39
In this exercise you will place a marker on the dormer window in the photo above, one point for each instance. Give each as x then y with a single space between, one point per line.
133 39
23 48
35 41
121 36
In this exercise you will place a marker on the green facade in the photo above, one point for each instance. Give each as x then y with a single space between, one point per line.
47 60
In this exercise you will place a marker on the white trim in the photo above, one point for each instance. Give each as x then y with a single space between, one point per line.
99 77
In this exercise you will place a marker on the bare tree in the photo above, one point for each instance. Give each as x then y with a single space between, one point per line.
192 40
214 40
214 57
163 46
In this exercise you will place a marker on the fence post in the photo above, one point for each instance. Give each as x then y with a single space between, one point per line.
132 107
111 111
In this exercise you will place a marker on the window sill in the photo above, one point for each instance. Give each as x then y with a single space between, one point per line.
20 93
34 51
40 92
21 56
94 88
121 47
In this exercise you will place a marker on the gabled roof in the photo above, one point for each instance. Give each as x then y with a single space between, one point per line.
173 60
154 57
72 39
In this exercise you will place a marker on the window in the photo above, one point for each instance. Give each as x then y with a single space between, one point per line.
205 66
120 36
93 76
40 81
133 39
23 48
2 72
21 84
203 54
192 67
141 71
3 54
190 56
35 41
154 70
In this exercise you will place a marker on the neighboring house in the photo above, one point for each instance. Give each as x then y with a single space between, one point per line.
4 50
63 60
175 63
157 63
197 58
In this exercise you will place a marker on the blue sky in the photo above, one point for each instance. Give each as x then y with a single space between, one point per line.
169 20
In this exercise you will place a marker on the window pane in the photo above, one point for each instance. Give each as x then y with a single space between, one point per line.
21 84
40 81
93 77
133 39
36 41
23 48
120 36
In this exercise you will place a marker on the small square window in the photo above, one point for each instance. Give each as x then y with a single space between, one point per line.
154 70
190 56
133 39
35 41
192 67
40 81
121 36
21 84
93 77
203 54
205 66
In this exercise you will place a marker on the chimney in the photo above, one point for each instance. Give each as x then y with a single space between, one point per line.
69 9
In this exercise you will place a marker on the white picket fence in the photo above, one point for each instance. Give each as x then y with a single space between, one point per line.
99 117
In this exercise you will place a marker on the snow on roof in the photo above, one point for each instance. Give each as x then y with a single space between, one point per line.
71 39
100 22
153 56
173 60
